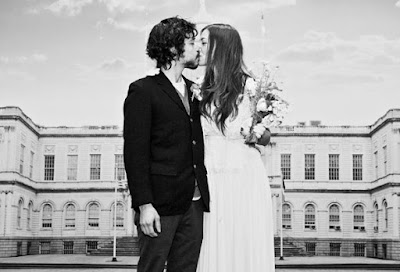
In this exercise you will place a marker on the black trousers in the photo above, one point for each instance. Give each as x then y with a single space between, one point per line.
178 244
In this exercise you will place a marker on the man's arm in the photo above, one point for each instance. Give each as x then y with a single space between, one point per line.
137 134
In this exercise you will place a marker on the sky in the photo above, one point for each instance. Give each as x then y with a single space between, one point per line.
70 62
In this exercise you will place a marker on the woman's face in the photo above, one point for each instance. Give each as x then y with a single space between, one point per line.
204 47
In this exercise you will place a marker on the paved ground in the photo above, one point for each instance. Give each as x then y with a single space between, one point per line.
64 263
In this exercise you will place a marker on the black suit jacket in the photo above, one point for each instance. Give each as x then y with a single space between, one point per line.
163 146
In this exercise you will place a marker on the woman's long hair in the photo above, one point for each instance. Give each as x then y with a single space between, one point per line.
225 74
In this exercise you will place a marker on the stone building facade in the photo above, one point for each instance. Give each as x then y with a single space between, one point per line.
341 197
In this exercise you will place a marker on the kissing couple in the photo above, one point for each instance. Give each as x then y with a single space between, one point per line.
201 195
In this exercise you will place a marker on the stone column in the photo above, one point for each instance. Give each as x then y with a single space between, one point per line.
8 215
396 152
276 207
396 221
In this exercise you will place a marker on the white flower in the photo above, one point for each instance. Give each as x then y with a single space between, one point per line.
262 105
259 130
153 72
196 92
251 86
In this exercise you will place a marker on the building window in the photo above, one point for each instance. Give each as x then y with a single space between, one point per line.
285 166
29 215
375 250
44 247
91 245
49 167
95 166
376 164
386 215
31 164
70 216
357 167
309 166
47 216
286 216
334 249
21 159
120 215
358 218
384 251
309 218
19 248
333 166
28 247
376 214
19 212
68 247
119 167
94 215
72 170
334 217
385 165
310 248
359 249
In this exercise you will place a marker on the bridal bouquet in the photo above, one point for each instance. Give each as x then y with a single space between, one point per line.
267 106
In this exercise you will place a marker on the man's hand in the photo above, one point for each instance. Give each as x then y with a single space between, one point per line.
148 219
265 138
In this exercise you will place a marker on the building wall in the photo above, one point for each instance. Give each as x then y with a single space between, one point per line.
32 190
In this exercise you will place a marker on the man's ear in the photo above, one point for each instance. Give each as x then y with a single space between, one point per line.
173 50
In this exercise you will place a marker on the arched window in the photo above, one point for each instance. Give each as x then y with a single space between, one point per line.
120 215
334 217
309 217
386 215
47 216
358 218
19 212
29 215
286 216
70 216
376 214
94 215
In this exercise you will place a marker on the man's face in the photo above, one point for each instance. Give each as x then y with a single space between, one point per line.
191 54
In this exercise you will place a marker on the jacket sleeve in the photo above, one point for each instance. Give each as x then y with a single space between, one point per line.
137 134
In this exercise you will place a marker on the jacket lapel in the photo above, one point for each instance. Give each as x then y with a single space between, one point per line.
169 89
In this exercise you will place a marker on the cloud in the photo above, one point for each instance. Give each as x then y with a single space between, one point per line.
35 58
346 77
308 53
68 7
16 75
114 65
125 25
124 5
33 11
318 47
398 4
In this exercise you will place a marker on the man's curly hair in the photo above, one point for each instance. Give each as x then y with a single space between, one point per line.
167 40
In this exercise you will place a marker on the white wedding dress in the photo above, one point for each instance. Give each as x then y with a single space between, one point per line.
238 231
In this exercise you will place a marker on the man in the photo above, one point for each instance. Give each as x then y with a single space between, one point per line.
164 153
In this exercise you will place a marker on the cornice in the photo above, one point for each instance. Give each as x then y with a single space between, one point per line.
22 120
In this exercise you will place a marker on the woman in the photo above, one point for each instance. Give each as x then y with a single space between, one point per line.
238 232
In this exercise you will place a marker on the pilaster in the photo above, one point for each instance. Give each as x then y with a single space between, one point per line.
396 221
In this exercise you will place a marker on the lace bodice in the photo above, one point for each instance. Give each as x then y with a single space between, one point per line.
233 125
